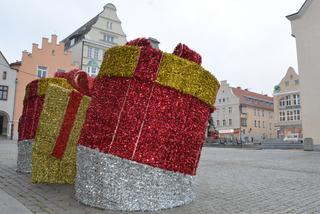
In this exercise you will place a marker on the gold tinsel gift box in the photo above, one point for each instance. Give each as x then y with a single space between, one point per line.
60 123
32 106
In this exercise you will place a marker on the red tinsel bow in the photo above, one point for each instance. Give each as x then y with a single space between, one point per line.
79 80
140 42
185 52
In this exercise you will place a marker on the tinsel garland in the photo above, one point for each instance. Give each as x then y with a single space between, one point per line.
55 113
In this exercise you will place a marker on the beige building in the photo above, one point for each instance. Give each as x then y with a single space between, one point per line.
7 94
243 114
287 107
40 63
305 26
90 41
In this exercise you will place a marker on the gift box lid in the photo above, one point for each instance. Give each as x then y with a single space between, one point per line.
186 75
39 87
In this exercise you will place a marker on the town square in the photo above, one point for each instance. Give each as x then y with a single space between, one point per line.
160 107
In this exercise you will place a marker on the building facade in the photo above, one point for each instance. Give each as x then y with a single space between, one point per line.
40 63
7 95
242 114
90 41
287 107
306 29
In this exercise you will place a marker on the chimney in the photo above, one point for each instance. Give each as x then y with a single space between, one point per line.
54 39
44 42
246 89
154 42
238 87
34 46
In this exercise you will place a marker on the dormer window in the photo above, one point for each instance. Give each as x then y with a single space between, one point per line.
72 42
4 75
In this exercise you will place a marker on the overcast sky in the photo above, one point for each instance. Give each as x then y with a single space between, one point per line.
247 42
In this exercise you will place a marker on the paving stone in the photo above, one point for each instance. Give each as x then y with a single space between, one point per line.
229 181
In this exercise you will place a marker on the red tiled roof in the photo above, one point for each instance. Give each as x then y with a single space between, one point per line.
246 97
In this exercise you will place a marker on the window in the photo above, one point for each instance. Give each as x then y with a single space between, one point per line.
255 123
219 100
230 110
258 112
259 123
262 113
255 112
223 100
109 25
296 114
72 42
95 53
4 75
263 124
289 115
42 72
108 38
296 82
230 122
59 70
296 99
3 92
244 122
218 122
92 71
288 100
282 116
224 123
282 102
90 51
287 83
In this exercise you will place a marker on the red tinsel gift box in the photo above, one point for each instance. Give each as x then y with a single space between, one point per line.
150 107
33 103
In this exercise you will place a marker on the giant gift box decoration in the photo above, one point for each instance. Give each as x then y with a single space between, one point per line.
142 138
60 123
28 122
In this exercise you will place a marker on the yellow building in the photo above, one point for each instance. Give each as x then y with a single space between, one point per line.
287 108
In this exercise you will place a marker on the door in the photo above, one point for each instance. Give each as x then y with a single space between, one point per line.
1 124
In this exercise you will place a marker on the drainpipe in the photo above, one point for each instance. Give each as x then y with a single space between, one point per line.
14 107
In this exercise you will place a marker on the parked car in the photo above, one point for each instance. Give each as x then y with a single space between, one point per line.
293 138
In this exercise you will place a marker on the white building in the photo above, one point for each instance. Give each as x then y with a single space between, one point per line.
305 26
7 95
244 114
90 41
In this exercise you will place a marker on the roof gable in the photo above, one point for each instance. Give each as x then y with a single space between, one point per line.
4 58
301 11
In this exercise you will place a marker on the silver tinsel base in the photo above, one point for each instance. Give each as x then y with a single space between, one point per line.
110 182
24 156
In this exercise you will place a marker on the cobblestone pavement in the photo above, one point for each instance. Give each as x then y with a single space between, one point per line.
229 181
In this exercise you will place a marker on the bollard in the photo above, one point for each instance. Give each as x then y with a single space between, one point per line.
308 144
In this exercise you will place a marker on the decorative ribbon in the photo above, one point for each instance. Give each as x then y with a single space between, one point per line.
69 118
79 79
185 52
